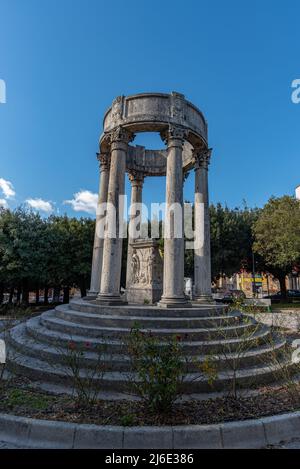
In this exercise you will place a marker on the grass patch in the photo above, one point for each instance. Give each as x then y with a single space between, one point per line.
26 402
277 306
22 398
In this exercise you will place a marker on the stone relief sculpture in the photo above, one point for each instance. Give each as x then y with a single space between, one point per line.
117 109
147 272
135 268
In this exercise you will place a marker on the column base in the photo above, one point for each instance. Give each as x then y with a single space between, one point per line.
91 295
110 300
174 302
203 299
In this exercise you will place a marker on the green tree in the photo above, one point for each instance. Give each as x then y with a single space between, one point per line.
277 237
231 239
21 244
71 244
82 239
41 253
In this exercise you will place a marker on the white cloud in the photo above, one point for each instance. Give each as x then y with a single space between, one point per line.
3 203
84 201
7 188
40 204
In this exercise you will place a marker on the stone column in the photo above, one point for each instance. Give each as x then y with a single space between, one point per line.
112 247
137 180
202 259
98 240
173 281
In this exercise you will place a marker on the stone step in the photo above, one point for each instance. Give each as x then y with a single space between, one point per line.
49 320
44 335
140 310
193 383
20 342
106 320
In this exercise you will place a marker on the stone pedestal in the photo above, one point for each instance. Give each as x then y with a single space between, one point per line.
146 272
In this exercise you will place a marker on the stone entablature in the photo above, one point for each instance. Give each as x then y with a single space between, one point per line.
154 162
155 112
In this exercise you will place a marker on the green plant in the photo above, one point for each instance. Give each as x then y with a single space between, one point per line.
238 304
14 311
209 368
86 379
127 420
234 344
146 301
2 369
281 361
19 397
159 368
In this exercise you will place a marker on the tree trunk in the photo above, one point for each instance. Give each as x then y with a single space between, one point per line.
25 292
66 297
46 293
19 291
1 293
11 295
56 294
281 278
37 295
83 288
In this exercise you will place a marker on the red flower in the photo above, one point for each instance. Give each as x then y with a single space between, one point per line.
88 344
71 345
178 338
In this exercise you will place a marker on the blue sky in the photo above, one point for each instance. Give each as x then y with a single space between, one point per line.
64 61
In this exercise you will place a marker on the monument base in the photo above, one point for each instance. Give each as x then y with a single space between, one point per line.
173 302
145 285
203 299
91 295
109 300
143 295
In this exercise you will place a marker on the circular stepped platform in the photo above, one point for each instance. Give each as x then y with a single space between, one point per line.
38 348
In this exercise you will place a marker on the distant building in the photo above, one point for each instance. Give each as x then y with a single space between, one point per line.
297 191
265 283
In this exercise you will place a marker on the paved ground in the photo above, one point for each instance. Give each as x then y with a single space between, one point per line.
293 444
4 445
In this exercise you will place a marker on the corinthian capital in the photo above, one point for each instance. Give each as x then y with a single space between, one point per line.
120 134
136 177
202 157
104 161
174 132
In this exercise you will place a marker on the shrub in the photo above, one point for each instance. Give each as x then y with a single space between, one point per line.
159 368
85 380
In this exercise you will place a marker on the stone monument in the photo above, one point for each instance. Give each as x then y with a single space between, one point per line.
106 317
184 131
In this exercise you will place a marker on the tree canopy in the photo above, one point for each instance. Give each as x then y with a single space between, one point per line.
277 236
231 239
37 253
57 251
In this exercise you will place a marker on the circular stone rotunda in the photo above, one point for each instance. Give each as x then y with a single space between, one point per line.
154 298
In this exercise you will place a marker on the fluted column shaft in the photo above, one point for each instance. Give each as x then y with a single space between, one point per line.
173 284
202 257
137 180
112 248
98 240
